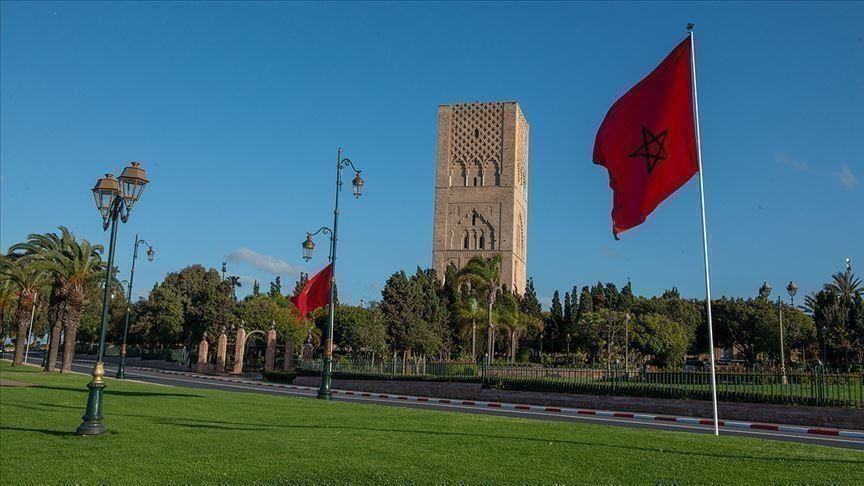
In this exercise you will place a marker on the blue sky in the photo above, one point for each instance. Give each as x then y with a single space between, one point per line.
236 110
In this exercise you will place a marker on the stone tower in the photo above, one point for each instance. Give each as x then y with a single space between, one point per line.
481 188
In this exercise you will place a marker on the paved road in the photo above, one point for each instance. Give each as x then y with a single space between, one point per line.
254 386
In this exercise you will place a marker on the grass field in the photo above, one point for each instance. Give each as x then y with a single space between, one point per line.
161 434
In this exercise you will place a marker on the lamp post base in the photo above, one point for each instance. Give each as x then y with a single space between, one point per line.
92 420
325 395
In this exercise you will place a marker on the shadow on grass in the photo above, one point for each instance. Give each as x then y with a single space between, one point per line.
108 391
239 426
56 433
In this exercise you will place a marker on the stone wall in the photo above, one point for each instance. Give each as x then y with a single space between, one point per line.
752 412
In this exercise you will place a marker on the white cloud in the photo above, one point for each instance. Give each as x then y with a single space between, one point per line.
787 160
545 302
266 263
846 177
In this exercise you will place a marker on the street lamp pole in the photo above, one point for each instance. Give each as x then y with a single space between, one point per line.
114 199
121 368
324 392
783 379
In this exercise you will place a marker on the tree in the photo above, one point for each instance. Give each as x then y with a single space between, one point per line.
554 322
663 339
275 287
484 276
415 312
567 320
360 330
469 313
530 303
207 300
598 296
26 279
8 302
508 317
72 266
612 297
262 311
836 311
256 289
586 303
160 317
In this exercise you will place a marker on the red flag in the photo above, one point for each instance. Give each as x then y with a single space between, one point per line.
647 141
316 292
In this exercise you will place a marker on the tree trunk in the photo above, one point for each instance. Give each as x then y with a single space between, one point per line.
53 347
71 320
491 333
23 321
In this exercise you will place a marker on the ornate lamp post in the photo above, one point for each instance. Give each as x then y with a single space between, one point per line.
121 368
324 391
765 290
114 199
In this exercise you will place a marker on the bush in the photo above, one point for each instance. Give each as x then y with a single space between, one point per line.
280 376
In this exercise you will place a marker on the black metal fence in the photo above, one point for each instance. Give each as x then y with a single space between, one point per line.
814 387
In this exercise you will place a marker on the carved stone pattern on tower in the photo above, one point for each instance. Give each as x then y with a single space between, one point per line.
522 154
476 137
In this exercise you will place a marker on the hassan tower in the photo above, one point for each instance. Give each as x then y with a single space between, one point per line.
481 188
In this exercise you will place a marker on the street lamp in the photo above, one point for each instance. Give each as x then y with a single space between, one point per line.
114 199
324 392
224 269
765 290
121 368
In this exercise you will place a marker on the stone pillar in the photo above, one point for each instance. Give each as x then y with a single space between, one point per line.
270 354
203 348
239 347
221 351
289 355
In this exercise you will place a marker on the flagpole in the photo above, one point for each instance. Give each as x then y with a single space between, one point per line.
704 230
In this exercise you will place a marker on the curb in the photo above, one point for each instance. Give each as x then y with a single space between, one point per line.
729 424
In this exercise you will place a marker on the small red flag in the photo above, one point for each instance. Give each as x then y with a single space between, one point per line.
316 292
647 141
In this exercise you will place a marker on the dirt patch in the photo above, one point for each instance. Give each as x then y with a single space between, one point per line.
15 383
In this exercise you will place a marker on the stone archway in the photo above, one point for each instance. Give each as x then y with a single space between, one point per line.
254 351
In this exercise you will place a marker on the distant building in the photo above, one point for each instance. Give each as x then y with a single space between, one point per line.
481 188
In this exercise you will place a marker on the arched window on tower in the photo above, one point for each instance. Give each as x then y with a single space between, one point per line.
465 241
482 241
497 175
474 219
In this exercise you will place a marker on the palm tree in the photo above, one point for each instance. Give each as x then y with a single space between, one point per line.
39 248
832 311
77 265
484 276
469 313
25 278
846 286
7 304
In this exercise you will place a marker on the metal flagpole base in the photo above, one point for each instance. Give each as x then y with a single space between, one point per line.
92 420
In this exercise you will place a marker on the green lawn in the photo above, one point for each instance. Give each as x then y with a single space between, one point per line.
161 434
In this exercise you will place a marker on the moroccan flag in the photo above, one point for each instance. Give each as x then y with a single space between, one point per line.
647 141
316 292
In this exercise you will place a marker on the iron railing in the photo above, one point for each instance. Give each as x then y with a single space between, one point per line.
815 387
